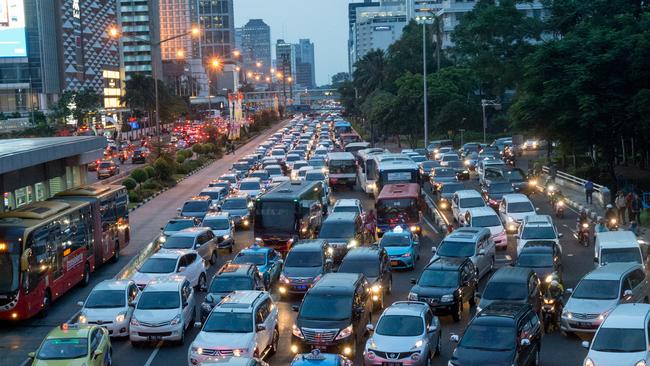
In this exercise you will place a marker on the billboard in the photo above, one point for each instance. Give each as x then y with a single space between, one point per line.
12 28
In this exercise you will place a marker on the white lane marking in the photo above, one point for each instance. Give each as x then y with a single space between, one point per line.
153 355
569 255
26 362
431 226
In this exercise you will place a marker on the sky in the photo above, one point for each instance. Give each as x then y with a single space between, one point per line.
324 22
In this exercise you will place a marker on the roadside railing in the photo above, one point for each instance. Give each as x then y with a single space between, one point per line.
577 184
137 261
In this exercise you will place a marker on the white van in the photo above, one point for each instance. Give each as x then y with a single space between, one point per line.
462 201
617 247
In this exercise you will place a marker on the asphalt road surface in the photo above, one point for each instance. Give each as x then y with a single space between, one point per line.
16 340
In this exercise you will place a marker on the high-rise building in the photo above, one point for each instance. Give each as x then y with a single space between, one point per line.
256 46
216 18
175 19
140 24
305 64
285 58
352 20
238 37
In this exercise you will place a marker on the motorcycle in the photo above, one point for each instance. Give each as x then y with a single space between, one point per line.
583 234
559 208
549 313
612 224
551 192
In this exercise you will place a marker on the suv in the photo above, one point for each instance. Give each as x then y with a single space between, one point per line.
169 262
343 230
504 333
348 205
165 310
253 187
175 225
216 194
446 284
472 242
333 315
244 324
536 228
196 206
599 292
222 228
462 201
231 277
374 263
513 209
107 168
407 333
305 264
545 258
239 207
513 284
200 239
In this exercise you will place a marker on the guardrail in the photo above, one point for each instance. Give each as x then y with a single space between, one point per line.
137 261
577 184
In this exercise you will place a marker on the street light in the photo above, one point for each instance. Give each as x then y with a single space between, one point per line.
258 64
215 64
236 53
488 103
424 21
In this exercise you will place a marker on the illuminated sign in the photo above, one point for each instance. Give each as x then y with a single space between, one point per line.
381 28
12 29
76 11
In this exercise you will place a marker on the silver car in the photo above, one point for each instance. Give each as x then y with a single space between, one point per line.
223 229
201 239
407 333
599 292
471 242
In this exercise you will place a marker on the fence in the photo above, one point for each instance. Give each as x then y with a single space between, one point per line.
601 193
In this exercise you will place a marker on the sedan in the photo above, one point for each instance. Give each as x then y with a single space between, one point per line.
110 304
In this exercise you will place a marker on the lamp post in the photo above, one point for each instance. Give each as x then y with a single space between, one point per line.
488 103
115 32
425 93
214 64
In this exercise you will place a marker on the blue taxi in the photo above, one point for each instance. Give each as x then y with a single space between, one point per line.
402 247
316 358
268 262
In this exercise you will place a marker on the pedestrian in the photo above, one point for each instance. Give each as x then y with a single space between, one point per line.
628 204
589 191
636 208
621 206
552 172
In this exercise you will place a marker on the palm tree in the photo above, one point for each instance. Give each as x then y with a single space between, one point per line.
370 72
140 94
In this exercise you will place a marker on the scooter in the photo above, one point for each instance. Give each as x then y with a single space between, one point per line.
559 208
549 313
612 224
583 234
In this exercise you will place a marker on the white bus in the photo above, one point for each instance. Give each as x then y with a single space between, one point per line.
366 168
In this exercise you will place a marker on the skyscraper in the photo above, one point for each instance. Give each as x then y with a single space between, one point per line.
285 57
140 24
175 19
305 64
352 20
217 23
256 45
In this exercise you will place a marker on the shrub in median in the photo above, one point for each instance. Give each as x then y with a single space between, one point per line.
139 175
151 172
129 183
164 170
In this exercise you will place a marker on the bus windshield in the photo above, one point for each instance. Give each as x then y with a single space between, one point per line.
392 177
9 260
342 166
397 210
279 216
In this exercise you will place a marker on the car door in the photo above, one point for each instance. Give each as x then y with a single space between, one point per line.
95 341
271 320
192 270
211 243
481 262
262 336
186 303
637 282
454 206
201 247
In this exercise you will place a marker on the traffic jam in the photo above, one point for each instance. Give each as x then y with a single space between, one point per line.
344 245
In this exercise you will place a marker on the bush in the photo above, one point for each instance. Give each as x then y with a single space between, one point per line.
182 169
134 197
164 170
151 172
180 158
209 148
139 175
152 185
198 149
129 183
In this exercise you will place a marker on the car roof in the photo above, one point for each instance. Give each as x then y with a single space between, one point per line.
165 283
466 233
539 220
112 285
628 316
406 308
481 211
308 245
191 232
504 310
169 253
251 179
348 202
216 215
235 269
516 197
467 193
617 239
612 271
213 189
341 217
240 301
446 264
371 252
73 331
341 283
199 198
511 274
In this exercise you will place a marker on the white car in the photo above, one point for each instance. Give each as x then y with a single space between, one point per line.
222 228
301 173
621 339
486 217
110 304
165 310
348 205
251 186
201 239
462 201
244 324
513 209
170 262
485 163
537 228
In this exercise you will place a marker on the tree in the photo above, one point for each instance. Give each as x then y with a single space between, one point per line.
348 97
340 78
86 105
140 94
129 183
164 169
370 73
378 109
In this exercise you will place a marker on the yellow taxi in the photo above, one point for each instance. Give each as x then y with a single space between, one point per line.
74 345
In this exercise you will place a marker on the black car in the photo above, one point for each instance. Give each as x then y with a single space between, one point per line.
425 169
231 277
513 284
374 263
542 257
441 175
305 264
493 192
446 284
501 334
333 315
445 193
462 171
139 156
343 230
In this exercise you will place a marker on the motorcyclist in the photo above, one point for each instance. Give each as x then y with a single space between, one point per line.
611 216
582 219
371 224
601 226
555 291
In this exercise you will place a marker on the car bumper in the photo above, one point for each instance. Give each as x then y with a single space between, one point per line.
244 222
226 243
114 329
294 288
342 180
579 326
379 361
345 347
165 333
401 262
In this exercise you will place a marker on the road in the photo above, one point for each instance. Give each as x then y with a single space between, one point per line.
146 221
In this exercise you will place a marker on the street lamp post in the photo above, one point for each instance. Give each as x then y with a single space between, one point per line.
425 93
488 103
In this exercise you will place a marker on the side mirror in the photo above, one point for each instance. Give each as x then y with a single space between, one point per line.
431 328
585 344
98 353
198 324
260 327
481 252
569 291
434 250
560 235
178 209
596 260
413 281
536 208
370 327
525 342
295 308
454 338
181 269
80 303
627 293
31 355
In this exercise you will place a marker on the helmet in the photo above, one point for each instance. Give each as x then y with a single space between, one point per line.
609 205
554 284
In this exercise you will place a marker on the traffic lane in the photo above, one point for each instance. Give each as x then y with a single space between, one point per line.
18 339
124 168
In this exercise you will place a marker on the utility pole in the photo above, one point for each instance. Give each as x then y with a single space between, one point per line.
425 94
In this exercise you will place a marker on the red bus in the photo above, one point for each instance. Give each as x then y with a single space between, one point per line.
109 203
46 248
399 205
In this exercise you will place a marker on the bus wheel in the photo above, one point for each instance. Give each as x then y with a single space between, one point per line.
86 279
116 255
45 307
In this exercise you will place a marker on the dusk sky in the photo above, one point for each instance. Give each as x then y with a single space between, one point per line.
325 22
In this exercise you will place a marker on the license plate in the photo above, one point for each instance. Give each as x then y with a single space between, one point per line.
391 364
583 325
154 338
301 287
394 263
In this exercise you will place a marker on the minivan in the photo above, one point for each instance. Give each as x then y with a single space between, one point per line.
343 230
513 209
462 201
617 246
471 242
513 284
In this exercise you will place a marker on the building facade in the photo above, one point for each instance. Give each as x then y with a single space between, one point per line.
305 64
140 24
175 19
217 23
285 55
255 45
352 20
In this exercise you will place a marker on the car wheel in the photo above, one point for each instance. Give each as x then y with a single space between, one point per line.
86 279
458 314
116 255
201 284
213 258
182 340
274 342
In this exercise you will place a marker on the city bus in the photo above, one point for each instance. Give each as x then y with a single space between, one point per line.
341 127
342 169
110 204
366 168
394 168
399 205
46 248
288 212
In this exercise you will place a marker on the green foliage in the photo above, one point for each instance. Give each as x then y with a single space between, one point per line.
198 149
135 197
180 158
139 175
340 78
164 169
81 105
129 183
151 172
370 73
151 185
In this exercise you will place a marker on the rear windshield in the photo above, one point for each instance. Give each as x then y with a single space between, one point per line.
196 206
496 290
620 255
472 202
332 229
486 221
519 207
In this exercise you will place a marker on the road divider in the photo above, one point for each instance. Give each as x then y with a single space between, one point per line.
137 261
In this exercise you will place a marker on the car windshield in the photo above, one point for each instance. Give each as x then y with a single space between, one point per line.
497 290
488 337
428 165
471 202
217 224
158 265
515 174
402 240
314 176
453 157
336 230
229 322
105 299
303 259
274 171
619 340
486 221
258 259
444 173
435 278
260 174
178 225
452 187
105 165
538 232
519 207
326 307
280 216
342 166
596 290
345 209
456 249
235 204
63 349
620 255
400 326
249 186
214 195
221 284
368 268
501 188
196 206
535 260
159 300
179 242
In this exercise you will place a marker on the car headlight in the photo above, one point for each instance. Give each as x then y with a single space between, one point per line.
246 222
296 332
196 350
589 362
226 237
353 243
175 320
83 319
640 363
466 162
162 239
344 333
134 321
413 296
548 279
567 314
447 298
120 317
414 228
560 203
613 221
376 288
284 278
238 352
585 225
